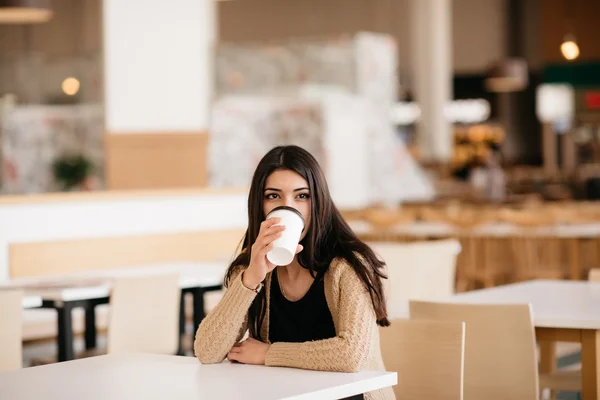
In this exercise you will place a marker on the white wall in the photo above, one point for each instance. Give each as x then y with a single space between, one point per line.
478 26
111 217
478 30
157 57
532 29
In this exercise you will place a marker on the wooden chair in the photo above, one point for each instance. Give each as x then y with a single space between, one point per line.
567 380
533 217
477 266
500 352
353 215
11 352
539 257
459 216
144 315
483 262
536 256
567 214
387 218
418 270
428 357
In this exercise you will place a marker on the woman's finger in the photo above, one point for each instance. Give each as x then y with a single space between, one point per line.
262 242
278 231
235 350
267 223
266 237
271 230
264 250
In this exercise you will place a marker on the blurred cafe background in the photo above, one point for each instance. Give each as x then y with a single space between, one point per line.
130 129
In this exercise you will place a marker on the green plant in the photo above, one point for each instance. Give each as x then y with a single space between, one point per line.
72 170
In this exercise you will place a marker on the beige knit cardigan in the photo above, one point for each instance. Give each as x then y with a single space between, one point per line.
355 347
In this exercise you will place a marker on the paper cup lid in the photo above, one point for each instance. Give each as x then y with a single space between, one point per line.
289 209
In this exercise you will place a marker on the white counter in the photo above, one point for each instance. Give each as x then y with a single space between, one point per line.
55 217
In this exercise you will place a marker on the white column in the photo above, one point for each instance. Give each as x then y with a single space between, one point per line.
431 53
158 58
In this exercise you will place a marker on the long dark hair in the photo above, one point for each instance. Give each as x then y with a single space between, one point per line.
328 236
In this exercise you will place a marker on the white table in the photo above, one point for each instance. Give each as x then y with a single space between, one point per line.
31 301
555 304
145 376
565 311
97 284
91 288
28 301
499 229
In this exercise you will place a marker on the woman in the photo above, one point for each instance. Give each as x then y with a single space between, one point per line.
320 312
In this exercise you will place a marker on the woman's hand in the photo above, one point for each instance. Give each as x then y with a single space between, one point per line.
259 265
250 351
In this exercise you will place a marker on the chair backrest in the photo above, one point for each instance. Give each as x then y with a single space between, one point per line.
418 270
594 275
11 352
500 352
144 315
428 357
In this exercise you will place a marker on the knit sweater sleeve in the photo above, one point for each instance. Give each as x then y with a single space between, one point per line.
346 352
226 324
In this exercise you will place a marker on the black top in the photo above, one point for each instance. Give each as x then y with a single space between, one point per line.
299 321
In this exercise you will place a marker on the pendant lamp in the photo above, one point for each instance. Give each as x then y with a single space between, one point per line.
25 11
509 75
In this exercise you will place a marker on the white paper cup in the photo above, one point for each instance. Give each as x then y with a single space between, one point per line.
284 248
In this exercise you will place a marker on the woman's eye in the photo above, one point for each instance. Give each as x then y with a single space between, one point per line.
272 196
304 196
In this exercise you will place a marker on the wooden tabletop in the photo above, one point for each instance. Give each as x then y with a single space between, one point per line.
145 376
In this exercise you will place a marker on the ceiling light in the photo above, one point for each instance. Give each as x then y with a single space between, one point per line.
25 11
569 48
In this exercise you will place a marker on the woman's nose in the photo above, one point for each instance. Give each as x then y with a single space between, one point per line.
289 202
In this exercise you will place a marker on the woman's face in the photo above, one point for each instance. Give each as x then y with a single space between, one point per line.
288 188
